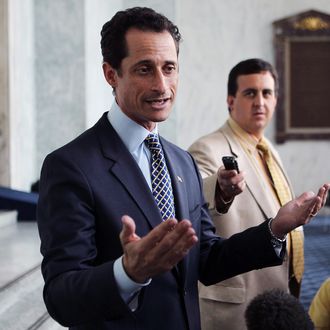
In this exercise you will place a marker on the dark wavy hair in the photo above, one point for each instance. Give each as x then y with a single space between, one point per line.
277 310
249 66
113 41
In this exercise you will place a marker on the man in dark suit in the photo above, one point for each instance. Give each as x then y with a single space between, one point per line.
110 262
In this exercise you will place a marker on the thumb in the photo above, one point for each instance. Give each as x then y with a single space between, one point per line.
308 201
306 197
127 234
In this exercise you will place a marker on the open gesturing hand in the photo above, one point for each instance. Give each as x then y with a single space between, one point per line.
157 252
299 211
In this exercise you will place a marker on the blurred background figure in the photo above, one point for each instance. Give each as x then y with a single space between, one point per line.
277 310
251 98
319 310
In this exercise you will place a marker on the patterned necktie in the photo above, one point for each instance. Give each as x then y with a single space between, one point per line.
160 178
284 196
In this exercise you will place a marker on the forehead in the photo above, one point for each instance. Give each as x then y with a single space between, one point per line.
144 45
261 80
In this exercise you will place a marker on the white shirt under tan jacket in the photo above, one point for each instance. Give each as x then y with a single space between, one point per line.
223 305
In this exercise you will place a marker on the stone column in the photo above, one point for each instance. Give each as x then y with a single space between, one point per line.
59 73
4 96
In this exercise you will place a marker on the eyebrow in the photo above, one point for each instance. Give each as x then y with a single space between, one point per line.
255 90
148 62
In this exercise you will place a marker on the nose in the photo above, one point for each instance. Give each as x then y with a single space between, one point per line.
259 99
159 82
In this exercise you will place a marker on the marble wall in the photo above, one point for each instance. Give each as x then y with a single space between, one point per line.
70 93
23 147
59 72
4 96
217 36
98 92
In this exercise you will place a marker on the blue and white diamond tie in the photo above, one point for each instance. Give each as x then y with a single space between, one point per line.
160 178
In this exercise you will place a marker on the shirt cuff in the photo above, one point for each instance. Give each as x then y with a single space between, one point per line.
127 287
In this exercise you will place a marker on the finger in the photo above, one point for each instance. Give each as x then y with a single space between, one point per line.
234 189
182 247
128 232
241 186
157 234
305 197
229 190
239 178
306 202
226 174
229 186
315 209
181 236
176 244
324 193
231 177
163 256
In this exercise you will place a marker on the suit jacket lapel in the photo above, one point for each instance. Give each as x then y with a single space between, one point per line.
180 199
124 167
259 189
178 185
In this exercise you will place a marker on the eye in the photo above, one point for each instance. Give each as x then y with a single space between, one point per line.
250 94
169 68
267 93
143 70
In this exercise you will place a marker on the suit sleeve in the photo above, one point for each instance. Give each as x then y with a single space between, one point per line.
224 258
76 290
208 161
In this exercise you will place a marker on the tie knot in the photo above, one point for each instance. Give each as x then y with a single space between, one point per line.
263 147
153 143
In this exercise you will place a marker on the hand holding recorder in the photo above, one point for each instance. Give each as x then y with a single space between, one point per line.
230 179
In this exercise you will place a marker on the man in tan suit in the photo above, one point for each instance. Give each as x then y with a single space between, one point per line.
238 201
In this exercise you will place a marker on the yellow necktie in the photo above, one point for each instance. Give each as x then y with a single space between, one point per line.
284 195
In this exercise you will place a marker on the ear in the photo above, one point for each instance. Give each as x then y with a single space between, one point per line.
230 102
110 74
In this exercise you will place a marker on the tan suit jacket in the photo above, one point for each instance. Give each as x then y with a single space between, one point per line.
223 304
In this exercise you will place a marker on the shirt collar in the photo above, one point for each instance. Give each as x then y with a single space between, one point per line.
132 134
247 139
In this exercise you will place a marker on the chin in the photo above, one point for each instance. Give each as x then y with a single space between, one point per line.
161 116
261 125
160 119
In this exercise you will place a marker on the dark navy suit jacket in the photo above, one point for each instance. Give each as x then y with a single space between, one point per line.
85 188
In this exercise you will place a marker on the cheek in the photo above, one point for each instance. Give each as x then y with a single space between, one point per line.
239 115
173 83
271 109
245 111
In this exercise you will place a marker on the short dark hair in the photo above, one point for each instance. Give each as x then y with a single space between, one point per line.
249 66
277 310
113 41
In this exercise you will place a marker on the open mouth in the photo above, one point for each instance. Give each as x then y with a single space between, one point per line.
158 101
